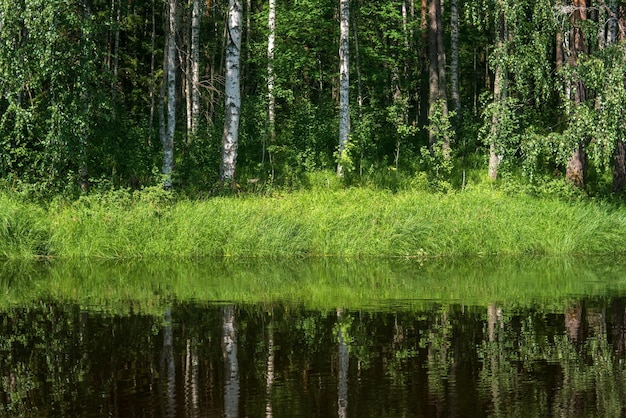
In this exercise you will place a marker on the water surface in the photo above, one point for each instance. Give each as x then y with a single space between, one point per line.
314 338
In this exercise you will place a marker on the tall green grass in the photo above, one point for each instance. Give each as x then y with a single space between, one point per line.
351 222
24 231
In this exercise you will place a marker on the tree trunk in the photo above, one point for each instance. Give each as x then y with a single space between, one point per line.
344 83
454 60
405 30
433 70
424 96
185 65
441 58
359 91
499 97
271 99
576 166
195 67
437 72
168 144
152 83
116 55
441 54
230 138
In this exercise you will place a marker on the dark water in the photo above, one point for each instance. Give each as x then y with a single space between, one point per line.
67 356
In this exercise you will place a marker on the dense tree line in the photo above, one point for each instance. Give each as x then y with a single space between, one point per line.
91 90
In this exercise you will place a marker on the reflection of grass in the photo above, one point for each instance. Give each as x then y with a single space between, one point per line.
353 222
321 283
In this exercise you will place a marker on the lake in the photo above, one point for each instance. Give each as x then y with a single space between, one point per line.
314 338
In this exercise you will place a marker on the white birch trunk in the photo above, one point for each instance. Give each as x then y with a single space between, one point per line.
232 92
344 80
168 144
271 38
195 67
405 24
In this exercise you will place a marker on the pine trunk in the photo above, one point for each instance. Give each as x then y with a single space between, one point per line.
437 72
433 71
168 144
454 59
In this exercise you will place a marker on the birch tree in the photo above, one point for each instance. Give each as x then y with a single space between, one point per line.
344 81
195 67
271 99
232 92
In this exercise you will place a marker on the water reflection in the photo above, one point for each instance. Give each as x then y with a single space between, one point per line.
344 362
317 338
231 363
168 368
286 360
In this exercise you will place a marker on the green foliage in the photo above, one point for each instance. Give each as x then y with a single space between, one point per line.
604 73
501 127
80 80
437 159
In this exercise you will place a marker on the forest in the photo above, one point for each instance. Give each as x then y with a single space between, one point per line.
191 95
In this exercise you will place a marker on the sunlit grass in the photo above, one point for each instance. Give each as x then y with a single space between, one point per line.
357 222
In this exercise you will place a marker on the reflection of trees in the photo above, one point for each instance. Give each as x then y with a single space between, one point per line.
168 367
231 363
344 359
282 360
191 380
438 345
270 371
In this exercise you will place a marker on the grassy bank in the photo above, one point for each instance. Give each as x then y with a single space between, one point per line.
351 222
